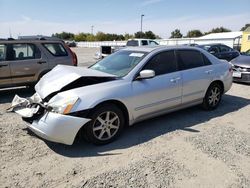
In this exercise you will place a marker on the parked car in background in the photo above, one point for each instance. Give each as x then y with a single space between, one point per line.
107 50
70 43
24 61
246 52
126 87
220 51
241 68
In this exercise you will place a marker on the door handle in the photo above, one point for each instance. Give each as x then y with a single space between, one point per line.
175 79
3 66
208 71
41 62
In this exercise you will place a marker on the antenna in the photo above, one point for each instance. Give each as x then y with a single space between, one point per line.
92 28
10 32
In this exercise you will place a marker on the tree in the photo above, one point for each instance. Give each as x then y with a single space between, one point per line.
100 36
90 37
194 33
246 26
128 36
64 35
139 34
80 37
176 34
147 35
150 35
218 30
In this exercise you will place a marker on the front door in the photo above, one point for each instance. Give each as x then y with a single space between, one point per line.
154 95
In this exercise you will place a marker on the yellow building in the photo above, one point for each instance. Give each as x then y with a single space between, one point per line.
245 43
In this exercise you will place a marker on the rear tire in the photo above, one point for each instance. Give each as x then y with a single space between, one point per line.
106 125
213 97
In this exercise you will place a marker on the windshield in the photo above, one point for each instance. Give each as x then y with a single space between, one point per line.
119 63
132 43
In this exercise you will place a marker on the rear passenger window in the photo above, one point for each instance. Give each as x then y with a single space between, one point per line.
23 52
206 60
2 52
162 63
188 59
144 42
225 48
56 49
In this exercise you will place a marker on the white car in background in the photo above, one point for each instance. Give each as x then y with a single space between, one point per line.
126 87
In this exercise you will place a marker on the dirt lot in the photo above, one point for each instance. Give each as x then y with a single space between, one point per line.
189 148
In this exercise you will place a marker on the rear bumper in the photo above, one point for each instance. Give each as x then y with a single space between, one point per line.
57 127
245 77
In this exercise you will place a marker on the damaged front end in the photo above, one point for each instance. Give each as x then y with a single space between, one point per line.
50 121
29 108
54 118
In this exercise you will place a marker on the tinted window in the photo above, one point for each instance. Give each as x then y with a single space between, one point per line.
23 52
225 48
188 59
214 49
144 42
56 49
2 52
132 43
162 63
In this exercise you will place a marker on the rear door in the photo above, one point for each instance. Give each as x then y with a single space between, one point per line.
5 76
196 73
26 62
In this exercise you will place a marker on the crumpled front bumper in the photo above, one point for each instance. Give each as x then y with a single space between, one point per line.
57 127
51 126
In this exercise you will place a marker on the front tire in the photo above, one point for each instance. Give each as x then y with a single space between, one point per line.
106 125
213 97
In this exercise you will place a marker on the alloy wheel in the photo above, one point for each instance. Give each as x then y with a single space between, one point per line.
214 96
106 125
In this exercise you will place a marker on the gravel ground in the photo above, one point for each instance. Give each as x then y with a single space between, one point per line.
188 148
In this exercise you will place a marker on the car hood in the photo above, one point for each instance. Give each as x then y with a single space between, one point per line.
64 77
243 61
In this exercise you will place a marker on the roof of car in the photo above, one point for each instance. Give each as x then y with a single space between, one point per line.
158 47
36 38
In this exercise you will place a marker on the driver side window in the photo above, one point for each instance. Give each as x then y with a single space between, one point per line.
162 63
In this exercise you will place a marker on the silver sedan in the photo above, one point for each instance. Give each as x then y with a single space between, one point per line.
126 87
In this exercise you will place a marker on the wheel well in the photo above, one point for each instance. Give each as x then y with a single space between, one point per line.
119 105
42 74
220 83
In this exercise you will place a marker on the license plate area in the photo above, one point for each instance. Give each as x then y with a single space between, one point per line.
237 74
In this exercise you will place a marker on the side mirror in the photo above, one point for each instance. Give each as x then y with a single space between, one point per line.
146 74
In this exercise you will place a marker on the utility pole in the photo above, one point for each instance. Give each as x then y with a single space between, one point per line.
141 23
92 28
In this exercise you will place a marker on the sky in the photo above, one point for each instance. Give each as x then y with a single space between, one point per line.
44 17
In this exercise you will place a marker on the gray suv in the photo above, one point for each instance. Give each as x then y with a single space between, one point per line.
24 61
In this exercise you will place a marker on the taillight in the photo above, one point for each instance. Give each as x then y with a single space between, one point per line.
231 69
74 57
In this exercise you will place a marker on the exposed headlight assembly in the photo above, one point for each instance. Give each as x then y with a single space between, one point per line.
64 106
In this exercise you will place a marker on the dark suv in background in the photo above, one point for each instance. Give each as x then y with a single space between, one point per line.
24 61
221 51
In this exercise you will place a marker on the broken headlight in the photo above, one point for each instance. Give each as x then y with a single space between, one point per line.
64 106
